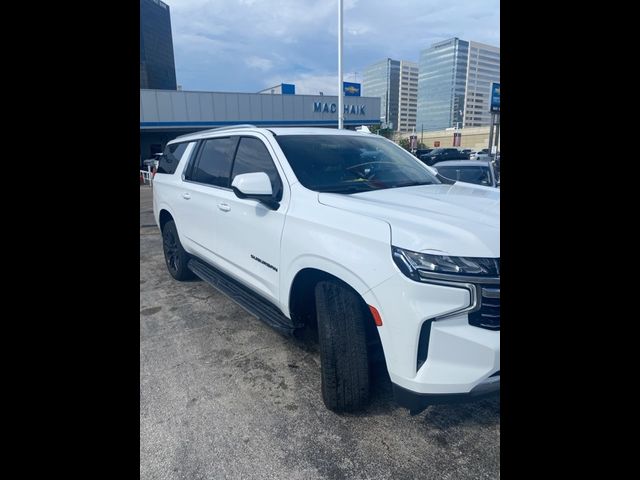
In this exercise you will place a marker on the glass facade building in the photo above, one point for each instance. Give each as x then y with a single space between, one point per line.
157 66
441 85
454 84
382 80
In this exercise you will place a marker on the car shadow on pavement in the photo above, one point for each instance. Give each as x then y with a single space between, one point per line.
441 416
485 412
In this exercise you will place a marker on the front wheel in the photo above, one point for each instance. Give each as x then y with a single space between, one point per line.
343 347
175 256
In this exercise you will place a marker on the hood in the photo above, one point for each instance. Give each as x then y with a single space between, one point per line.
460 219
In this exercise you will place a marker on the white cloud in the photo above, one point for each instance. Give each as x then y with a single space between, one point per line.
259 63
307 84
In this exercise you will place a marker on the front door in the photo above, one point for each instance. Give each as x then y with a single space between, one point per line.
249 233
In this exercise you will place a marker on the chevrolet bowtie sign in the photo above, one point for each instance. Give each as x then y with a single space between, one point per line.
325 107
351 89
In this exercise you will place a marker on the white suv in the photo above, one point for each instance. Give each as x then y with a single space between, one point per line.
348 233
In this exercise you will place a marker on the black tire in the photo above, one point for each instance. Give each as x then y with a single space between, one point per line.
175 256
343 347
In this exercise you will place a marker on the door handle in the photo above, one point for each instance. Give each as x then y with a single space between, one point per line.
186 196
224 207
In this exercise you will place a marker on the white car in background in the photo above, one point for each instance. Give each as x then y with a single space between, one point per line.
480 155
478 172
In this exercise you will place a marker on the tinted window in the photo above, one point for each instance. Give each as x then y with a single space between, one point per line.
172 155
352 163
477 175
214 162
253 156
454 153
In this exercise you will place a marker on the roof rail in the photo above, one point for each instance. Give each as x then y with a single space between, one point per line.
218 129
231 127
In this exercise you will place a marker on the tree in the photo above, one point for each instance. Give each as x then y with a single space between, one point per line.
405 143
386 133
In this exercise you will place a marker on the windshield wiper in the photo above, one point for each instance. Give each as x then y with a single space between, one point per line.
347 190
412 184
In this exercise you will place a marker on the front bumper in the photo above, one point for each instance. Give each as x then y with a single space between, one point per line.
417 402
460 360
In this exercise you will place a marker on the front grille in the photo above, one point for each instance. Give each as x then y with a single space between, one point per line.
488 315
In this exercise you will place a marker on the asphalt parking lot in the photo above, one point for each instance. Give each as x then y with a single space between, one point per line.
222 395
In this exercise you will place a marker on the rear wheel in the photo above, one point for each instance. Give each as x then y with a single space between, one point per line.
175 256
343 347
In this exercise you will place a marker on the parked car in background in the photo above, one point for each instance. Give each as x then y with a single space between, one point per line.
442 154
467 151
423 151
479 172
480 154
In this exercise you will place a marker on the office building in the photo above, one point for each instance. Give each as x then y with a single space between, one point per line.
454 84
408 96
157 66
483 68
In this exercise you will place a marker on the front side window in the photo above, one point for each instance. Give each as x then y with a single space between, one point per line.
352 163
252 156
213 165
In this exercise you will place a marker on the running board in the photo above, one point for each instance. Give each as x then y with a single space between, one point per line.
243 296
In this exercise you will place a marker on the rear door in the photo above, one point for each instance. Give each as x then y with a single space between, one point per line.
205 182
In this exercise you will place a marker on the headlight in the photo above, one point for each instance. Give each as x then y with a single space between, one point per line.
422 266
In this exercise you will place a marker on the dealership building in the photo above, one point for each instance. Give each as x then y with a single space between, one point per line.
165 114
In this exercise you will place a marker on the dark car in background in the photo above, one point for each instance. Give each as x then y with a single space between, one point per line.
422 151
479 172
443 154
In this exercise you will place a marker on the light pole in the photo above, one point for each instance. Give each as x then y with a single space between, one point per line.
340 86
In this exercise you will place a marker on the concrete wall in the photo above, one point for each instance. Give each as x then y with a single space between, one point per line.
474 138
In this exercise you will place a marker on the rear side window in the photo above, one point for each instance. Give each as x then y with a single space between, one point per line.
253 156
172 155
213 165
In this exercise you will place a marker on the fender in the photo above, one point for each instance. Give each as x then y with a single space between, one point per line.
343 243
318 263
162 205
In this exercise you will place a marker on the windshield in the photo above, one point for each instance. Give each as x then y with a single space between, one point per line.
351 163
471 174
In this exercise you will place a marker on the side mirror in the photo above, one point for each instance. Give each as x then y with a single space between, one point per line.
433 170
256 186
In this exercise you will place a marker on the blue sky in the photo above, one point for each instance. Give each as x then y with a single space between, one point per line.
248 45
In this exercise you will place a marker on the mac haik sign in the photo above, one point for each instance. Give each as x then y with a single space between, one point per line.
326 107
